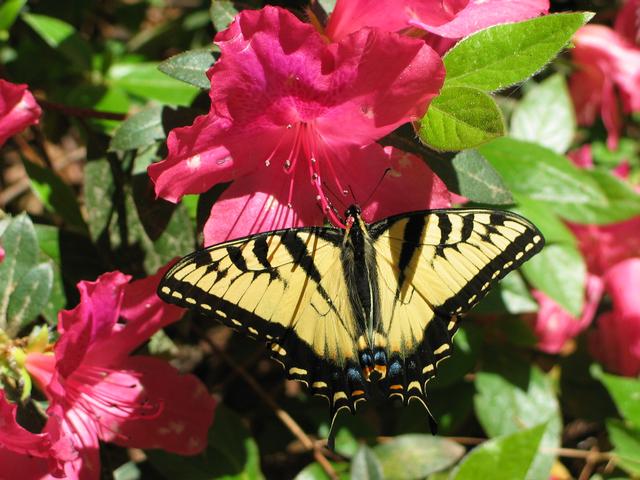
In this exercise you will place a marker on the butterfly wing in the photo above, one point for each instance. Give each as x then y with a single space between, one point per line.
432 268
286 288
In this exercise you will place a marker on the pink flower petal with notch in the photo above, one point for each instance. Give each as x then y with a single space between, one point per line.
18 109
182 423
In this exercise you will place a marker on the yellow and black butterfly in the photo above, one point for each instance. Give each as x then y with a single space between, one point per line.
346 309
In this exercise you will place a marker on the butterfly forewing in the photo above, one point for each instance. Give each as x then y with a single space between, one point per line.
433 267
285 288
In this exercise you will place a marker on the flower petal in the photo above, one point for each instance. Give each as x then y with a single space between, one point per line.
408 183
184 419
18 109
628 21
479 14
554 326
16 438
381 80
145 314
91 320
259 202
349 16
196 161
622 282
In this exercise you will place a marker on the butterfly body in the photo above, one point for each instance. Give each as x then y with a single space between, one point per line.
345 310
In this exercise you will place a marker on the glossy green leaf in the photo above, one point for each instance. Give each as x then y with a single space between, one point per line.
144 80
623 202
190 66
413 456
560 272
139 130
533 171
29 297
460 118
222 13
625 392
503 55
626 442
365 465
99 189
56 195
231 453
20 244
513 395
478 180
545 115
509 457
61 36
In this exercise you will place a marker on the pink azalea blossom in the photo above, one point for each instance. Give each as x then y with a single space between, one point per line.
606 63
18 109
554 326
99 392
448 19
616 342
294 121
628 21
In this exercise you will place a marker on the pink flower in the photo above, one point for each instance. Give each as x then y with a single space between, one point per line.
616 343
606 63
99 392
18 109
449 19
31 455
294 120
628 21
554 326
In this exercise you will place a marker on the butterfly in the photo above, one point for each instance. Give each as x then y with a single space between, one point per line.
369 306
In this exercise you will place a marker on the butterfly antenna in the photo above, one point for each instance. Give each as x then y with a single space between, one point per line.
375 189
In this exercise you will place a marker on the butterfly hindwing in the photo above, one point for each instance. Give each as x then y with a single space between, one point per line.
433 267
285 288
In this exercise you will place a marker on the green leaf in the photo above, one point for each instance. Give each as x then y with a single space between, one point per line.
626 442
49 242
503 55
625 393
190 66
515 295
314 471
623 202
99 189
222 13
230 454
139 130
413 456
9 11
365 465
466 346
560 272
507 457
144 80
553 229
21 255
61 36
30 297
460 118
540 174
478 180
56 195
513 395
327 5
545 115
